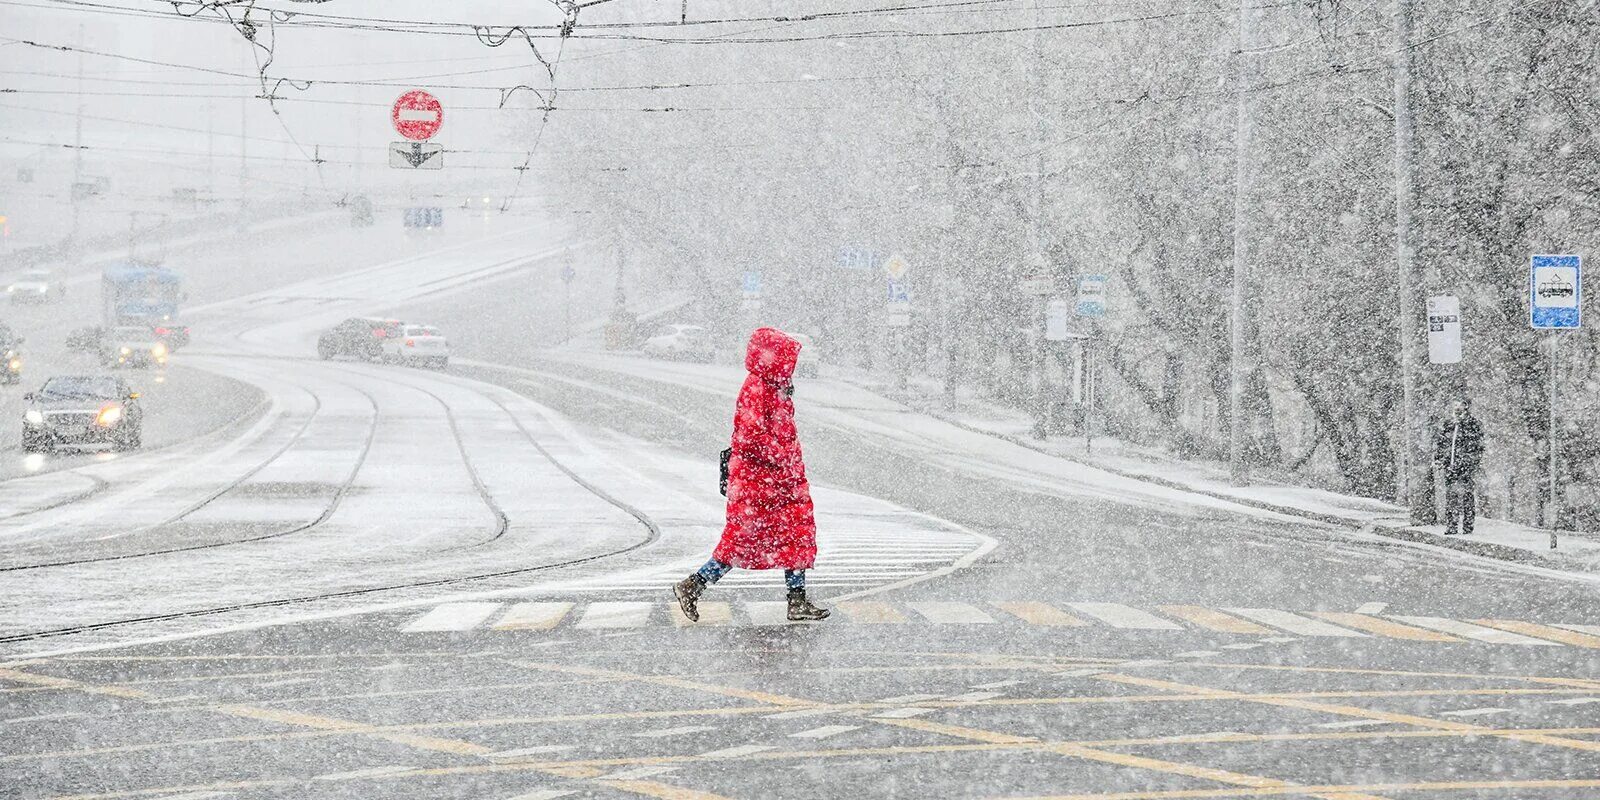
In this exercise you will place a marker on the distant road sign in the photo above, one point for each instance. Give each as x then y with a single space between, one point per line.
417 115
426 217
1555 292
1058 321
1444 330
568 274
1038 285
416 155
1091 296
857 258
752 284
896 267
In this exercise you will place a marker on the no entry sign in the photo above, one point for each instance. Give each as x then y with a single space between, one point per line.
418 115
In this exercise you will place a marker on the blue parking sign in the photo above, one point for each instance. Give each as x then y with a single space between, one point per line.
1555 292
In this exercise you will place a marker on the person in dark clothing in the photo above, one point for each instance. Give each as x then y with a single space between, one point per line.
1459 451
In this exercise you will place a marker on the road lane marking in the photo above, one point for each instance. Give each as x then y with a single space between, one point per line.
1537 631
1475 712
944 613
870 612
738 750
711 613
825 731
902 713
660 791
1383 627
638 773
1575 701
1294 623
973 697
452 617
679 731
532 751
52 682
807 712
616 615
370 772
1353 711
1469 631
1120 616
1243 646
544 794
1041 614
1353 723
1213 619
1343 791
1197 654
533 616
1592 630
1371 608
901 699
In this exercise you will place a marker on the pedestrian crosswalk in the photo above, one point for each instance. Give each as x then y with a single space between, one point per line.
1252 626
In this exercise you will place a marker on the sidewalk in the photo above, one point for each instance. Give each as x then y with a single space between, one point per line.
1492 538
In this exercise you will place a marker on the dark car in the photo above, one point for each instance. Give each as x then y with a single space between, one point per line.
83 409
360 337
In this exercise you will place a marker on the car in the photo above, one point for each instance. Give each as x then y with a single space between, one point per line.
11 365
171 333
82 409
35 286
680 341
418 344
358 337
809 364
133 346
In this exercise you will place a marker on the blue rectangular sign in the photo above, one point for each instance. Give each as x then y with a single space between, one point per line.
1555 292
752 282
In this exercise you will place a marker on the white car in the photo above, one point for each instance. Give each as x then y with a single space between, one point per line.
810 363
680 341
420 345
35 286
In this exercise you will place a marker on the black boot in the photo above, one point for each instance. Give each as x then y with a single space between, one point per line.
688 592
801 610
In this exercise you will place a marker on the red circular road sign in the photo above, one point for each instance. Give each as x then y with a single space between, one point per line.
417 115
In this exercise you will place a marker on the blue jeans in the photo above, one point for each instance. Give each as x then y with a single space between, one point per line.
714 570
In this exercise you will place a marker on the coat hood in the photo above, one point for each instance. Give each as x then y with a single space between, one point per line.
772 355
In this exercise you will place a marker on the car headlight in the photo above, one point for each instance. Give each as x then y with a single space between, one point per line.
11 288
15 364
43 289
127 351
108 416
158 350
34 416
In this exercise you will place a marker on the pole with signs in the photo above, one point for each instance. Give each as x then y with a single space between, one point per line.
1555 303
898 309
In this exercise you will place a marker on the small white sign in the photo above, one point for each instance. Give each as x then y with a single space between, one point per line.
1058 321
1444 330
1038 285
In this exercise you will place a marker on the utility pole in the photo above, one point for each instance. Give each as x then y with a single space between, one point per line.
1414 484
211 150
1238 368
244 162
1036 304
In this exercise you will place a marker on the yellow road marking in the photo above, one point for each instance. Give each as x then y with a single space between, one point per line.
1328 790
1214 619
1384 627
1041 614
1353 711
666 680
660 790
711 613
959 731
871 612
1543 632
52 682
1581 683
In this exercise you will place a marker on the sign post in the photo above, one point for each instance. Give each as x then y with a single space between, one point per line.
898 309
752 290
1555 303
1444 329
1091 296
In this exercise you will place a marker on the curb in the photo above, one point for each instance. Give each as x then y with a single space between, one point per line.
1405 533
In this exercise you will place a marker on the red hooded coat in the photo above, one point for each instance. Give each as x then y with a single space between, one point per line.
770 521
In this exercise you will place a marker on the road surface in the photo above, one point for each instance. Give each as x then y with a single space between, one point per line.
375 581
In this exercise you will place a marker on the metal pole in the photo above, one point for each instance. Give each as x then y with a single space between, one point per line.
1413 485
77 146
1553 508
1238 469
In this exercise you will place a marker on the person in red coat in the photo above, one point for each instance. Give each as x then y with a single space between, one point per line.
770 520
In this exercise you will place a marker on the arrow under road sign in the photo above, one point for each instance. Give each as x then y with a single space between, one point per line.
416 155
